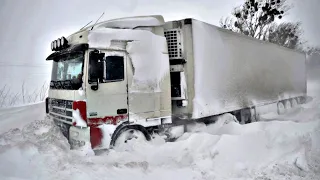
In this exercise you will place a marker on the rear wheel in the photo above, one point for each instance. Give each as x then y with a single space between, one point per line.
294 103
253 113
281 108
287 104
246 116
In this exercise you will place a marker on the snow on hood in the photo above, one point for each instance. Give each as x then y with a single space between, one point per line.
147 51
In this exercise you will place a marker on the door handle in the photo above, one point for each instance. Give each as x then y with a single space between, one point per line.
122 111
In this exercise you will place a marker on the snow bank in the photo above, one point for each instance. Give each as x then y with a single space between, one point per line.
18 117
147 51
232 151
24 151
279 149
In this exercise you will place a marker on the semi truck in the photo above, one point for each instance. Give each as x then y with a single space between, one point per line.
127 78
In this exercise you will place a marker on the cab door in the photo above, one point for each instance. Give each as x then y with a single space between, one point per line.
109 102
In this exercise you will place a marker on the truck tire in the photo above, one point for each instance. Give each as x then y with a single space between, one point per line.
254 116
127 133
281 108
294 103
245 116
298 99
287 104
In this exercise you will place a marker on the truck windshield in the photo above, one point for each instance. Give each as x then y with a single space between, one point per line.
67 72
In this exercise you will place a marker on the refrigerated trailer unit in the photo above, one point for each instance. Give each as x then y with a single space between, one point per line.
226 71
138 75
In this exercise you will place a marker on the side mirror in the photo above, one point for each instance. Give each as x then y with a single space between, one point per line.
95 68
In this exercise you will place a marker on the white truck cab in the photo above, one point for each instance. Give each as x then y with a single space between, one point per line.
109 75
130 77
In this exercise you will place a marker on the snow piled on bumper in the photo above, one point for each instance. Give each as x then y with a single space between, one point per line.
77 119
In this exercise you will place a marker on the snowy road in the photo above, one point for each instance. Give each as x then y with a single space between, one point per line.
288 147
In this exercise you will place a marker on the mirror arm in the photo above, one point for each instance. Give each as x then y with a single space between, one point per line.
98 64
95 87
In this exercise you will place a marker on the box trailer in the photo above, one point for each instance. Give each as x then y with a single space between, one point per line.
127 78
222 71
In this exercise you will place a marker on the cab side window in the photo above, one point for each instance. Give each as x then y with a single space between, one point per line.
114 68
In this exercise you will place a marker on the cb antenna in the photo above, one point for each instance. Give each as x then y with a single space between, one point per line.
97 20
86 25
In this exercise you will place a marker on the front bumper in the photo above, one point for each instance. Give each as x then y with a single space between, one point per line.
79 136
97 137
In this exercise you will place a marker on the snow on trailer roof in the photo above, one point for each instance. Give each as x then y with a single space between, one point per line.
131 22
252 38
127 23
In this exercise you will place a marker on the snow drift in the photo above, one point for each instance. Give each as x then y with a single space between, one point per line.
286 147
18 117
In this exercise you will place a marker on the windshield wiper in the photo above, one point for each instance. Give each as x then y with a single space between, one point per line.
67 84
73 84
54 84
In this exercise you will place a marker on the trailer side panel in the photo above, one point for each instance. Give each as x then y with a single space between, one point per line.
233 71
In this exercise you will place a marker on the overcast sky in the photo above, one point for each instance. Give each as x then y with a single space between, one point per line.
29 26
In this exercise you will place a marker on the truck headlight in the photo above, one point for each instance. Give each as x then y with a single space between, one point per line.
54 44
59 43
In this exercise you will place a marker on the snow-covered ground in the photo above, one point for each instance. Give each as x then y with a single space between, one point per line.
285 147
18 117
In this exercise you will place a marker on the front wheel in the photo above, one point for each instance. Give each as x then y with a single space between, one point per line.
129 133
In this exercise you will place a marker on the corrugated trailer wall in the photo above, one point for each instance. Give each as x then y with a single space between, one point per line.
232 71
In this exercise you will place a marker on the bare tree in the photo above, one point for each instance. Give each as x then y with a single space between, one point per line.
23 91
4 95
13 100
312 50
254 17
43 91
286 34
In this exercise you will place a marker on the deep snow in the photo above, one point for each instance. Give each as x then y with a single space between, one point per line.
20 116
284 147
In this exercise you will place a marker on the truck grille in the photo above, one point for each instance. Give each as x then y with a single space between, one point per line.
61 110
174 42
